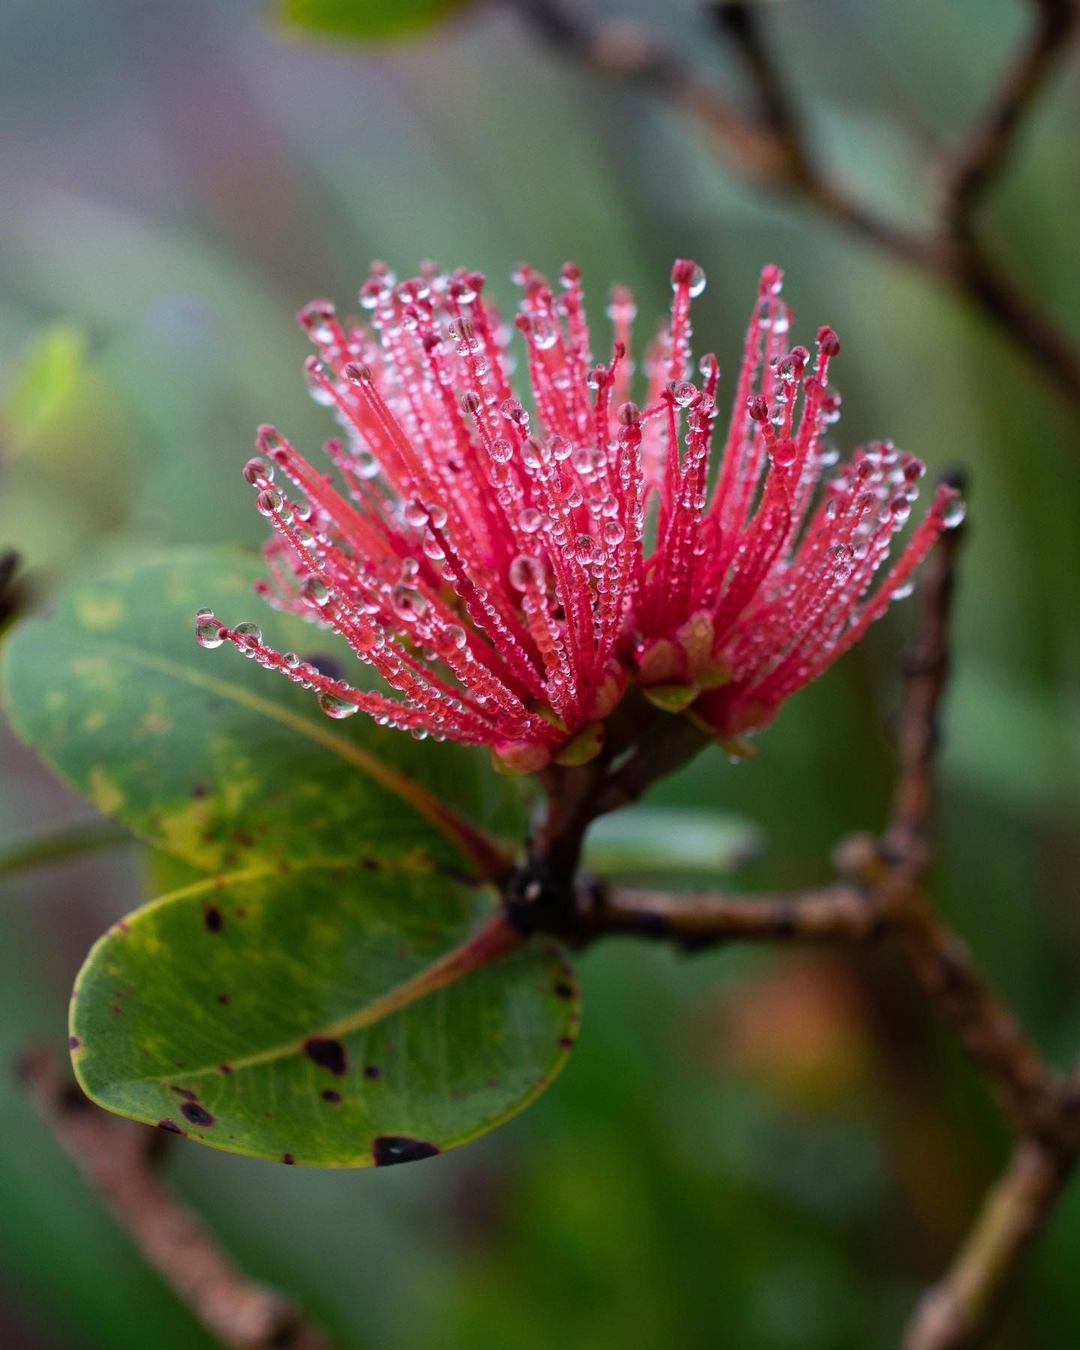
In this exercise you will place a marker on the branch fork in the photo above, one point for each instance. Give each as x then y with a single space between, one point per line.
880 893
770 148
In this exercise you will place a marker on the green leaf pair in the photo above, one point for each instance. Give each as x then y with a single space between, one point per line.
338 987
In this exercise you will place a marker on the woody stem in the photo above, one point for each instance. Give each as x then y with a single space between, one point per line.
770 148
881 893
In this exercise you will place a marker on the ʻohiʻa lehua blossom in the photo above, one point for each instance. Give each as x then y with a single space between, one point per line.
512 574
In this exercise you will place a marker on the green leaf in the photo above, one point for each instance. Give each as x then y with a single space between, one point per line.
365 18
335 1013
213 759
658 839
45 384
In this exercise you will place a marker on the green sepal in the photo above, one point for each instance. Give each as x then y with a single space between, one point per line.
672 698
583 747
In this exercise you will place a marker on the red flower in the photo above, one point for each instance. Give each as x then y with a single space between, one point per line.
508 573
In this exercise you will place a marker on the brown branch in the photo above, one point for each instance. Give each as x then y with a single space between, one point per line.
967 269
117 1158
740 24
983 154
833 913
960 1310
624 51
1029 1092
881 894
771 149
879 904
926 670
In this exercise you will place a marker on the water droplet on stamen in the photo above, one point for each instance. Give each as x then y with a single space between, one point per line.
334 706
784 452
954 514
249 632
207 629
315 591
258 469
364 464
407 603
526 573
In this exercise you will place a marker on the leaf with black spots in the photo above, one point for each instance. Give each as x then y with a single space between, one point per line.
336 1017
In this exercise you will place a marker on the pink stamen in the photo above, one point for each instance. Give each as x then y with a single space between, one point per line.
492 566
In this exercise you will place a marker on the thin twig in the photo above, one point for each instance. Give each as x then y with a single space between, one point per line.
772 150
1027 1088
882 893
926 670
1028 1091
118 1158
740 24
974 167
968 270
959 1311
833 913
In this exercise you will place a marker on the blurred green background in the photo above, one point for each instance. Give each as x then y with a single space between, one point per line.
773 1151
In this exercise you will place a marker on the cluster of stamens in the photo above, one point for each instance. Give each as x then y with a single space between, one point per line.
508 574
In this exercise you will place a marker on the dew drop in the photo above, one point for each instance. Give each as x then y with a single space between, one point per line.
584 549
250 632
954 514
335 707
526 572
364 464
784 452
453 638
207 629
258 469
315 591
614 533
544 335
501 450
690 275
407 603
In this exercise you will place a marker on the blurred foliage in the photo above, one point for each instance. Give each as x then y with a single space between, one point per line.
364 18
178 182
670 843
68 471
